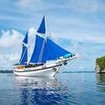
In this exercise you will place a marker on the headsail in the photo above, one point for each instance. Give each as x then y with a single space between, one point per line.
23 58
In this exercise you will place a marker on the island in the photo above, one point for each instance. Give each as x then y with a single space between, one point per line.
100 65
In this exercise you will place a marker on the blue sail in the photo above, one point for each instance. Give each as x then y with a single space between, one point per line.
52 51
42 28
37 49
46 49
23 58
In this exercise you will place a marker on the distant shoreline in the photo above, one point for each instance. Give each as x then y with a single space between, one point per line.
78 72
10 71
6 71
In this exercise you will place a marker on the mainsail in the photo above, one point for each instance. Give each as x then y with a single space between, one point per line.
39 41
37 49
52 51
45 49
23 58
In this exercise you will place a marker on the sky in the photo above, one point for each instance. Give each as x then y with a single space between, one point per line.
78 20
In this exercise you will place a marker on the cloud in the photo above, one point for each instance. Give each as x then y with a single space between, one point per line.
11 46
79 37
10 38
86 6
29 3
90 38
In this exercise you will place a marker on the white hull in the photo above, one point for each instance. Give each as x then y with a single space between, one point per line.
48 69
44 72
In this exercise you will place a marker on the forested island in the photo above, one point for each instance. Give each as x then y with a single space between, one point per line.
100 65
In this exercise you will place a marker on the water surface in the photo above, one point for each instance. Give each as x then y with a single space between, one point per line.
64 89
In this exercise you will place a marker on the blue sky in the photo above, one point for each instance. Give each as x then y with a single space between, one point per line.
79 20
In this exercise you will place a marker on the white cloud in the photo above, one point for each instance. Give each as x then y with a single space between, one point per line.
28 3
76 5
82 37
86 5
90 38
95 39
10 38
11 46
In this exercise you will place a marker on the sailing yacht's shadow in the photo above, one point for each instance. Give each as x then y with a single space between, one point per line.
40 90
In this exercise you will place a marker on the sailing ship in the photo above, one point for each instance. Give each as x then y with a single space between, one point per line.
47 56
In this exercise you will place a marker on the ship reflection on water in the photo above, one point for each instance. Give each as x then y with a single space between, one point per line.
65 89
40 90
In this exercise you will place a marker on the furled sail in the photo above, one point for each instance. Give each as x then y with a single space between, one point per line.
23 58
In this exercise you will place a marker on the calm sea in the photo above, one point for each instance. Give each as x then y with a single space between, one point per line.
64 89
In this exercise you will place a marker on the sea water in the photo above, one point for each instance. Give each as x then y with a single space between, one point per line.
64 89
